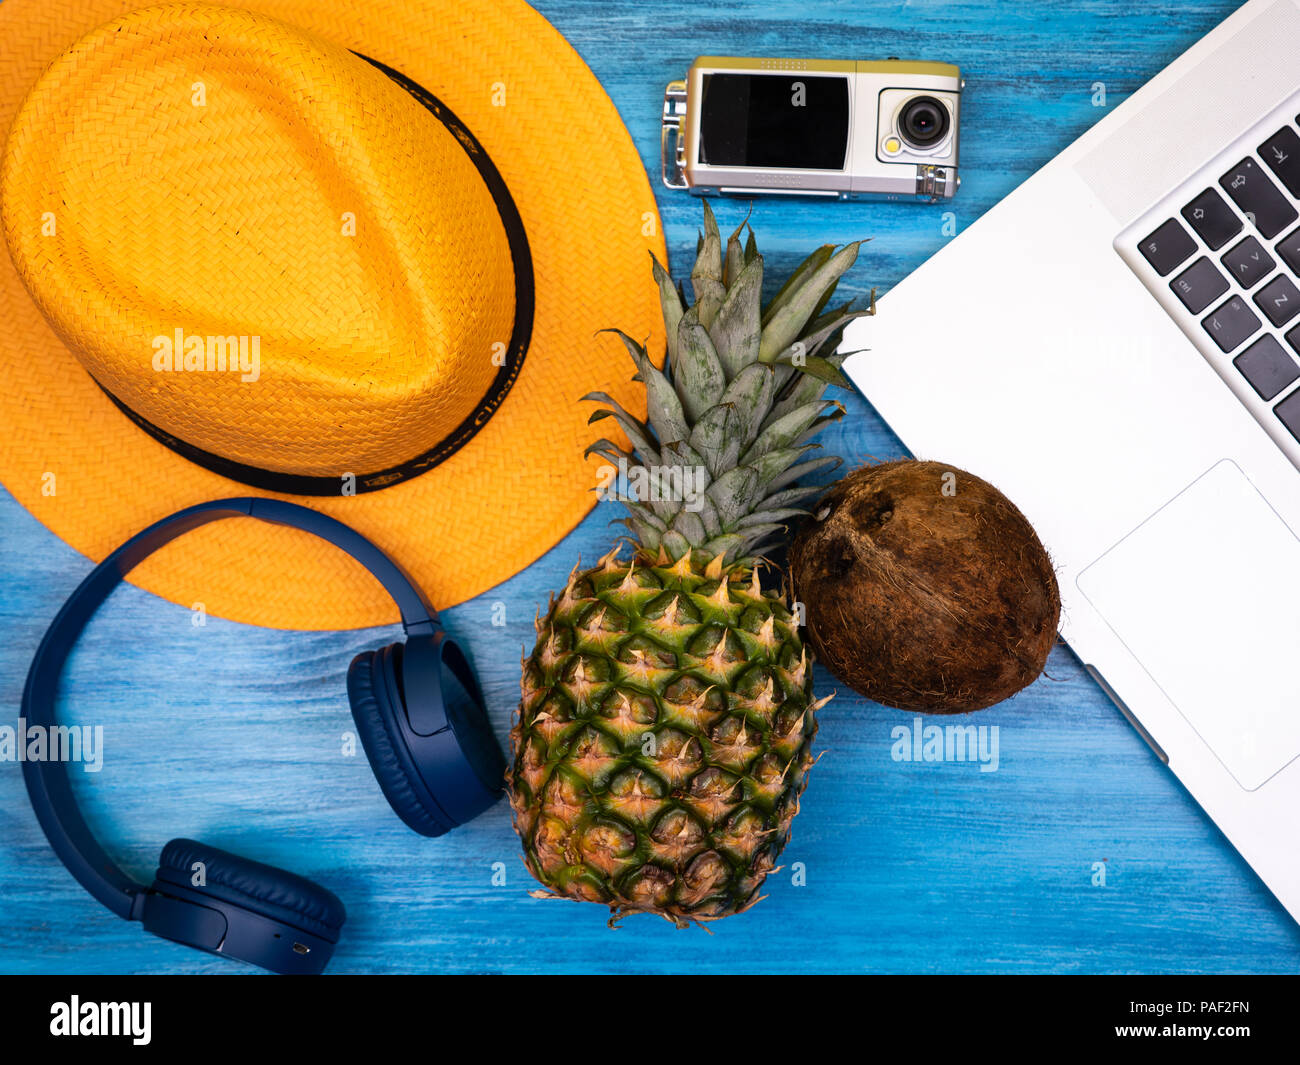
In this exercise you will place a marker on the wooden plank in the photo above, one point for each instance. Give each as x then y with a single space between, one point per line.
234 735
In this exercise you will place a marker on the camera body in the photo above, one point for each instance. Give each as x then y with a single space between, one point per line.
841 129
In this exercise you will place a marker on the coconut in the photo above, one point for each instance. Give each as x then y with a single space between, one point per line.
925 588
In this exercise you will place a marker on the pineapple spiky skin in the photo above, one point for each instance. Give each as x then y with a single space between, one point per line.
664 738
664 734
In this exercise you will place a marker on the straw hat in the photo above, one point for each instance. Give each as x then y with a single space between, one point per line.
351 254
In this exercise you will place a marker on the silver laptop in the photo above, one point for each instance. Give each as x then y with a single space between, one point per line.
1116 345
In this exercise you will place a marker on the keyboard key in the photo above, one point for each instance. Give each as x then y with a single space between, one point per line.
1168 246
1249 263
1289 249
1279 300
1214 221
1231 324
1281 154
1293 338
1267 367
1199 285
1254 192
1289 412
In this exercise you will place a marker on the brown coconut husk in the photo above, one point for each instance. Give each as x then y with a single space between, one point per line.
925 588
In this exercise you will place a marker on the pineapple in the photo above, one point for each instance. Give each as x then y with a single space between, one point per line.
667 716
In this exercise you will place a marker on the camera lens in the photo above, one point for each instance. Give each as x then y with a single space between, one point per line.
924 122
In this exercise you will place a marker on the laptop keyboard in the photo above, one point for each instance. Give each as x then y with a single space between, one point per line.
1226 247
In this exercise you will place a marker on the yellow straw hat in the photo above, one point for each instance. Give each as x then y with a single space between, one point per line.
352 254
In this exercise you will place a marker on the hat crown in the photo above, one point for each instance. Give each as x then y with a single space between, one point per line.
258 242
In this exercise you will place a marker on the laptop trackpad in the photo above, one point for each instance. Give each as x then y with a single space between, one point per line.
1206 595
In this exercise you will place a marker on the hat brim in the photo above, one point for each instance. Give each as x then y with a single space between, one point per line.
91 476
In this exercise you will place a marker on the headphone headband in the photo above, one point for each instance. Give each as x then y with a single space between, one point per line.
47 781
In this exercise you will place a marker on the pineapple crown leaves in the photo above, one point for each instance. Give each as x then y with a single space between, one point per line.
739 399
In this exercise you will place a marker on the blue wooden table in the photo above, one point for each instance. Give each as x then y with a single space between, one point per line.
234 735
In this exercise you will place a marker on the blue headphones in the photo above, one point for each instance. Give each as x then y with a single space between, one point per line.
422 722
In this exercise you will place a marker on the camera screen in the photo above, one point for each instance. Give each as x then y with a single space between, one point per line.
783 121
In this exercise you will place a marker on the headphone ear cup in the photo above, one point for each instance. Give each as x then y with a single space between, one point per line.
374 694
283 895
218 901
463 703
